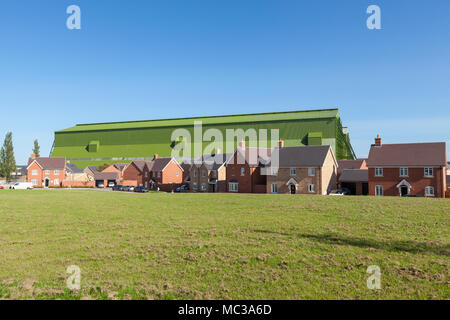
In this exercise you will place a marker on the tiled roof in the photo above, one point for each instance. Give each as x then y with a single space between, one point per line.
140 164
160 163
213 162
255 156
72 167
408 154
51 163
302 156
106 176
354 175
351 164
120 166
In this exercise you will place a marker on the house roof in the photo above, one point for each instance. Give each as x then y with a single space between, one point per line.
351 164
120 166
160 163
213 162
93 168
106 175
255 156
51 163
140 164
408 154
301 156
354 175
72 167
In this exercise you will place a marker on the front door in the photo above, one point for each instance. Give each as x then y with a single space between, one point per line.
46 182
403 191
292 186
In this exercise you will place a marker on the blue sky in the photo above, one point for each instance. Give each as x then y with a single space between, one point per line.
135 60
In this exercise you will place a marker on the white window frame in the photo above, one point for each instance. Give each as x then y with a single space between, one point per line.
194 186
427 191
402 172
146 174
427 171
159 174
34 172
177 174
47 172
56 182
203 173
311 172
233 186
242 172
203 187
274 188
378 172
379 191
56 172
293 172
34 182
311 188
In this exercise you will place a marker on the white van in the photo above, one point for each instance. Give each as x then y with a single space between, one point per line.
22 185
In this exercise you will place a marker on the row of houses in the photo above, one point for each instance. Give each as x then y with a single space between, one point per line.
390 170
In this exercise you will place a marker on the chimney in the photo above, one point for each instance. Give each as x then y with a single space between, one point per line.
280 143
33 156
242 144
155 156
378 141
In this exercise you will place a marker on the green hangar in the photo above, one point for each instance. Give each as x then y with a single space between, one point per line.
97 143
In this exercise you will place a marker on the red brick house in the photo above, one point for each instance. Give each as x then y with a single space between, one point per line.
407 169
136 173
118 168
46 172
243 170
163 173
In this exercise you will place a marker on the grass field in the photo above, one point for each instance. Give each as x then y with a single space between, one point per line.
221 246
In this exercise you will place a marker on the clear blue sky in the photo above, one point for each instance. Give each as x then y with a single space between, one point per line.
136 60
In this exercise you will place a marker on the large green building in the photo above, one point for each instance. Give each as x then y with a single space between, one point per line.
87 144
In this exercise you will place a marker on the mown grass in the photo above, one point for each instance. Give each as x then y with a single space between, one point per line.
221 246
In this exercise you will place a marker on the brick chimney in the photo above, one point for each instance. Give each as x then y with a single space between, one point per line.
155 156
33 156
280 143
242 144
378 141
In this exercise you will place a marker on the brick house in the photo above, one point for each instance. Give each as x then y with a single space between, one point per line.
302 170
163 173
407 169
353 175
118 168
243 169
136 173
209 173
46 172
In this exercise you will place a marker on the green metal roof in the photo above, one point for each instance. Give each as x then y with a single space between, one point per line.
241 118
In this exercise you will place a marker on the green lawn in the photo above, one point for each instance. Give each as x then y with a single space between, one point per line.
221 246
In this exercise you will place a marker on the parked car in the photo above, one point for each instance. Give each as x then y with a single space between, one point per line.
22 186
1 187
182 188
128 188
140 189
117 187
111 184
341 192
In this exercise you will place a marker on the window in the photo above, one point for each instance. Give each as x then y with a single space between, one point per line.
429 191
47 171
428 172
146 174
203 187
214 173
311 188
233 187
311 172
378 190
177 174
195 173
34 182
194 186
403 172
56 182
56 172
274 188
159 174
293 172
242 171
203 173
34 173
378 172
274 171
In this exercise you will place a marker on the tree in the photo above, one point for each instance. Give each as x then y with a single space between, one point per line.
36 149
7 161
